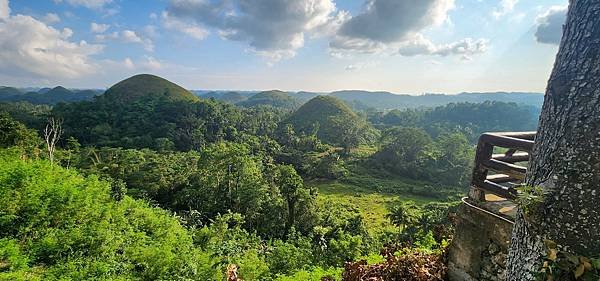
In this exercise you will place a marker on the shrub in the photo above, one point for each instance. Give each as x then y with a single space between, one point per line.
57 224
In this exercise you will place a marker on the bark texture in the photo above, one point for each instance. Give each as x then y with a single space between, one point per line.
566 155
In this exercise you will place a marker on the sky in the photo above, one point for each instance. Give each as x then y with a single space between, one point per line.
401 46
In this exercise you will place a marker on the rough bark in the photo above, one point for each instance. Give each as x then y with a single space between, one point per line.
566 155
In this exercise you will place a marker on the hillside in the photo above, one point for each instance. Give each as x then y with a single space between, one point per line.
327 115
9 91
305 96
147 111
387 100
52 96
143 85
228 97
272 98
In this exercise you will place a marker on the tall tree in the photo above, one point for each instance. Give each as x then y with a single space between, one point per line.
52 134
566 156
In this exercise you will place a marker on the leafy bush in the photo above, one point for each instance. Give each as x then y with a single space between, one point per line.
57 224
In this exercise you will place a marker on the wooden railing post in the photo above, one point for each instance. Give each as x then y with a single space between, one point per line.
508 172
483 153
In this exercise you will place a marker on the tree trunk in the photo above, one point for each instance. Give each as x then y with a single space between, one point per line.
566 155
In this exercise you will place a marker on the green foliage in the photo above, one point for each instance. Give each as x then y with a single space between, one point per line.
14 133
57 224
425 227
471 119
285 258
150 121
404 215
404 151
529 198
223 177
314 274
234 176
330 166
410 152
33 116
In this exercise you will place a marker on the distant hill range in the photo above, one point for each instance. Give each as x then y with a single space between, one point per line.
357 99
380 100
46 95
386 100
272 98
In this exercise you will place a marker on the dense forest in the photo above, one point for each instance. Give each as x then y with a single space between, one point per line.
151 182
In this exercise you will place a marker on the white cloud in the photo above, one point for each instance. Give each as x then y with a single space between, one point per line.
549 28
395 26
130 36
51 18
66 32
465 48
127 36
150 31
91 4
99 27
128 63
361 65
146 63
111 12
359 45
32 48
504 8
419 45
389 21
4 9
272 28
107 37
189 28
151 63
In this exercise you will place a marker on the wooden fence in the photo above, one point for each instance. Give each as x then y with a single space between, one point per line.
500 164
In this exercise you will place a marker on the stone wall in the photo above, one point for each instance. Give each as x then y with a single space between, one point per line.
480 246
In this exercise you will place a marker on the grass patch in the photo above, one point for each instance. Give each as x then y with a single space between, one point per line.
372 204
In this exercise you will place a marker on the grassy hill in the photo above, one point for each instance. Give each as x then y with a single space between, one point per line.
272 98
142 85
325 114
228 97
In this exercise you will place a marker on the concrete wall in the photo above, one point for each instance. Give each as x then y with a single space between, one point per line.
480 246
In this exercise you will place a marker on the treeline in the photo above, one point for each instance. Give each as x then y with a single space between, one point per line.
471 119
433 145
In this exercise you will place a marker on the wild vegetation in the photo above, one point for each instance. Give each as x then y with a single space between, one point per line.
150 182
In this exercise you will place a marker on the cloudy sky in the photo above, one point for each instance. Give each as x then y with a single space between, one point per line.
402 46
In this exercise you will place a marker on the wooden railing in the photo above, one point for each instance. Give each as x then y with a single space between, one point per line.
499 174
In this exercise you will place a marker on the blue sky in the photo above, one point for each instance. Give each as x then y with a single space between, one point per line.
402 46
